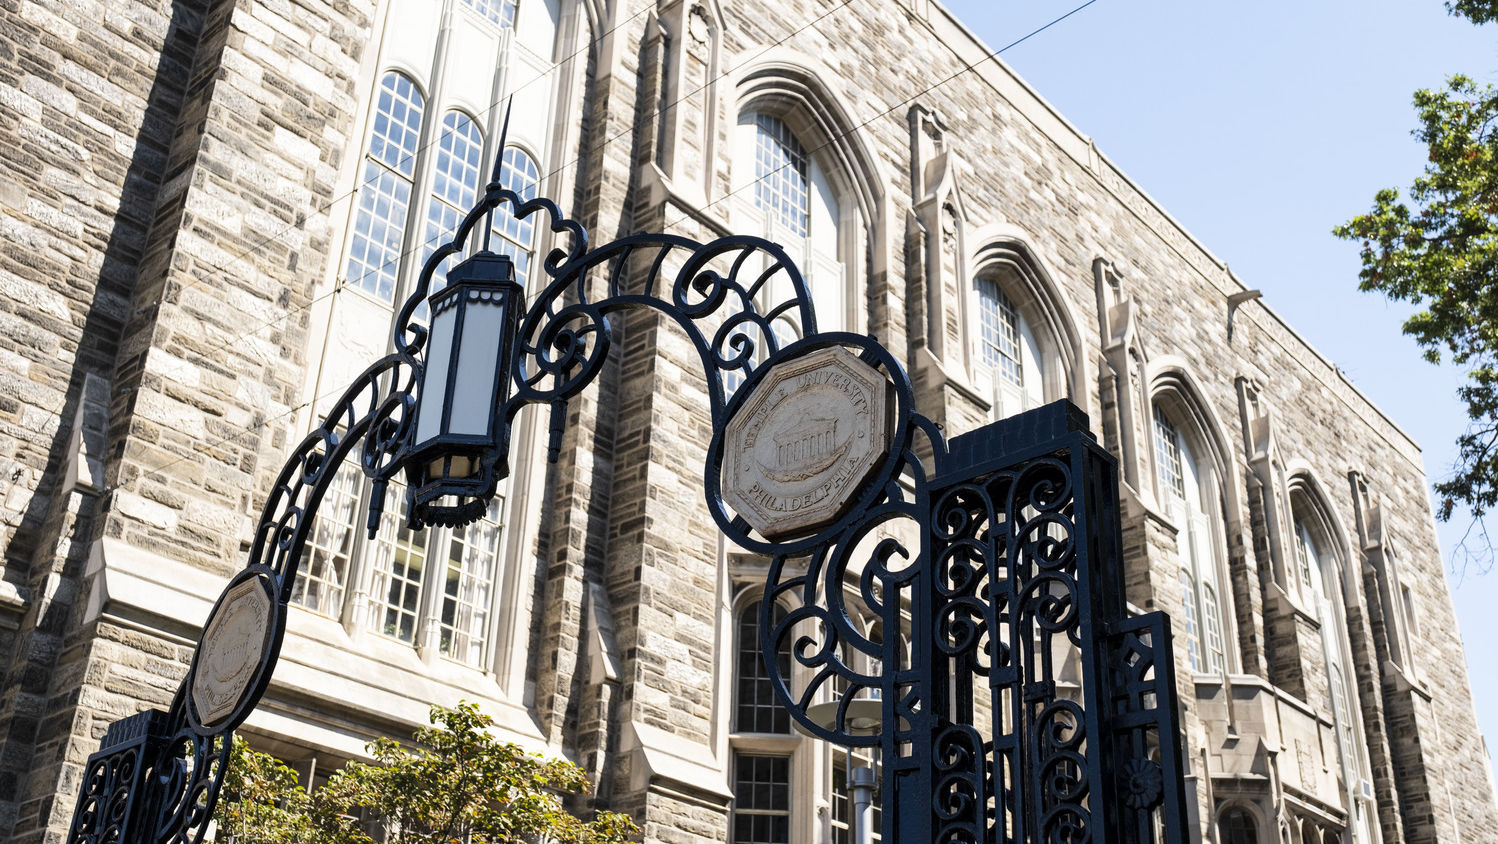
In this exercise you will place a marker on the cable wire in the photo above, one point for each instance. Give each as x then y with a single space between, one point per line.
839 136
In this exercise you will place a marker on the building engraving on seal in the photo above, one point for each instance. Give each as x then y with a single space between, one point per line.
799 449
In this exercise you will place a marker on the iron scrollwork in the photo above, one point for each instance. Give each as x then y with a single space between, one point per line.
1020 702
989 563
739 300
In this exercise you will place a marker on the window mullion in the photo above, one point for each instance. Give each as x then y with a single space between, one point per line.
422 177
434 577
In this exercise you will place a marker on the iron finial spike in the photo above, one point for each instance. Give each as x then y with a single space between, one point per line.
499 169
504 131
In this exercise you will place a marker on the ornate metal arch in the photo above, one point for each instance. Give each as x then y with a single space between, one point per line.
973 550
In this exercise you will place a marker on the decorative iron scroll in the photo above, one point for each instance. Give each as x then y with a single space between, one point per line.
973 593
1029 707
738 299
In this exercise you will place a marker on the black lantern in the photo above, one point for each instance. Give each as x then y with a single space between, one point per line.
460 449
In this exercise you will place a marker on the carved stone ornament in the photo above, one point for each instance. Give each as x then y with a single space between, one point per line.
799 450
232 651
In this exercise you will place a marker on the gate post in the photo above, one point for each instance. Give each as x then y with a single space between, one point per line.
1020 615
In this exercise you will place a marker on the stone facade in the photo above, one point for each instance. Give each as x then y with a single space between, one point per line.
180 194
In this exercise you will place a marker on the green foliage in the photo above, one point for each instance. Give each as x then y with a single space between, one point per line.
1439 251
458 786
1476 11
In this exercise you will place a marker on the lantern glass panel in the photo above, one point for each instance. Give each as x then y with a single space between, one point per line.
434 383
478 358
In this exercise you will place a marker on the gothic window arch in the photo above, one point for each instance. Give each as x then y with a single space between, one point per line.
429 141
1022 343
514 236
801 178
1237 824
386 180
1189 469
1322 559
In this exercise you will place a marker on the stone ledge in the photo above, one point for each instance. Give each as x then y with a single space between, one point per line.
13 603
668 758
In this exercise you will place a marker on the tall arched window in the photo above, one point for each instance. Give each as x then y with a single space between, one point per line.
1184 486
1318 558
1007 351
515 236
789 198
1236 826
455 182
385 188
1021 340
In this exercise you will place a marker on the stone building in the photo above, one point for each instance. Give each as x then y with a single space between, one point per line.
209 209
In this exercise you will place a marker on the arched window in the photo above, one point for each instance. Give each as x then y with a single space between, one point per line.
1319 559
1187 492
1007 351
385 188
1021 340
789 198
1236 826
501 12
455 183
514 236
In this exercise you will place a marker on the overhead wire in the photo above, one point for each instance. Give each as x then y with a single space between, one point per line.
966 68
970 66
395 260
601 145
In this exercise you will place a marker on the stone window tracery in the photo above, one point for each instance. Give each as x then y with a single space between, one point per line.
1187 490
374 254
501 12
430 138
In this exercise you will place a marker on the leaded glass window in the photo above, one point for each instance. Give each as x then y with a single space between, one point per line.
501 12
1212 628
761 799
756 708
467 589
385 188
780 171
455 184
323 574
1193 626
516 237
1168 455
400 559
999 334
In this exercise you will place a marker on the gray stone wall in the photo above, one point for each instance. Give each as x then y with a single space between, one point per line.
171 200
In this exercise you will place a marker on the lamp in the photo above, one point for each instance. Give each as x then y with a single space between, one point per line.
460 449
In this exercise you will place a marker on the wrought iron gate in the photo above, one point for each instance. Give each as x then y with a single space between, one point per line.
1020 702
1030 706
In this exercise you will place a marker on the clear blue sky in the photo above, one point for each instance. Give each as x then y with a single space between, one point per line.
1260 126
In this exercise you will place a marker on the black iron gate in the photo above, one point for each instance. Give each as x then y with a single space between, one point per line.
1020 702
1030 706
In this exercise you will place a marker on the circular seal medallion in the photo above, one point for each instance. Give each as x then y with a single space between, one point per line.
233 652
799 449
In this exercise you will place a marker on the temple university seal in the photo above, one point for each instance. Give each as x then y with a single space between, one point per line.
231 654
799 449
